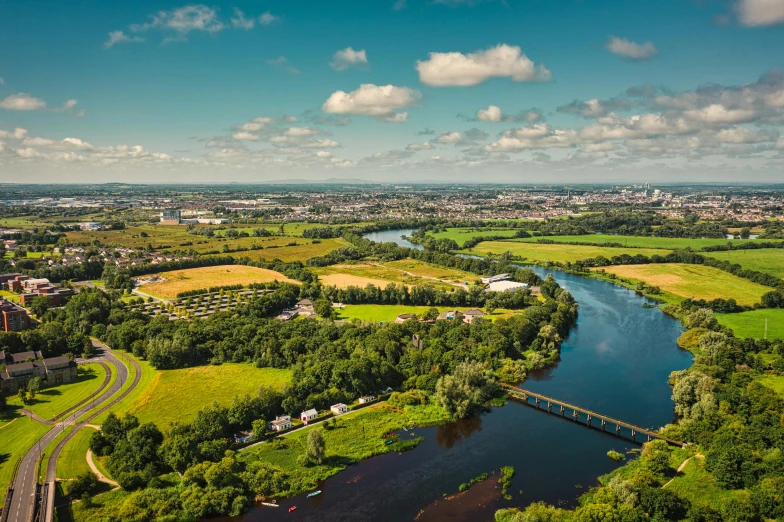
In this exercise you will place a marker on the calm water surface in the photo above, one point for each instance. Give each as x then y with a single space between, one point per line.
393 236
616 361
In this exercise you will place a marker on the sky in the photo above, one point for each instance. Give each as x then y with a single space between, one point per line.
394 91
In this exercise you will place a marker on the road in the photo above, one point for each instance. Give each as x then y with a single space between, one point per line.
51 465
23 498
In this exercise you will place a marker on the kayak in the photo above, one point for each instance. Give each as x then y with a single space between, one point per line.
317 492
389 442
292 508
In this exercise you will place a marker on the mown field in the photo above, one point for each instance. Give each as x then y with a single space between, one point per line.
73 461
693 281
177 395
461 235
552 252
205 277
420 269
388 313
767 260
16 438
670 243
362 274
52 401
752 324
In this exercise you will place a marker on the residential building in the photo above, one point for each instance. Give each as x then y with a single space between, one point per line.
338 408
13 318
280 423
366 399
308 415
473 314
21 368
450 315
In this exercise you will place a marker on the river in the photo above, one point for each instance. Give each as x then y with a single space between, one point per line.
615 361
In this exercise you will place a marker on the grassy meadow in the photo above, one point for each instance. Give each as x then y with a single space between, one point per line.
362 274
73 461
461 235
752 324
421 269
553 252
766 260
699 486
56 399
693 281
176 395
205 277
669 243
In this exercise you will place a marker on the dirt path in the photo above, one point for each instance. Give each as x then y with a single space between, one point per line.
94 469
683 465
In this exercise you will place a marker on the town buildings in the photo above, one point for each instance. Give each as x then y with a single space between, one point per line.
21 368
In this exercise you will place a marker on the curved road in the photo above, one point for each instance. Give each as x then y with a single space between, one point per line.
23 498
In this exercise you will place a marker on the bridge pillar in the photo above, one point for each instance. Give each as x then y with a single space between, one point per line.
603 423
537 402
549 407
633 433
617 430
574 415
649 438
562 410
589 419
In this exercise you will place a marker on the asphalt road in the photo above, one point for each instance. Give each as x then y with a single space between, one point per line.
23 499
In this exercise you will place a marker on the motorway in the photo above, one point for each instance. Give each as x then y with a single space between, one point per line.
23 498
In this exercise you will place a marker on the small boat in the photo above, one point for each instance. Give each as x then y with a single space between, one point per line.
317 492
292 508
405 429
389 442
270 504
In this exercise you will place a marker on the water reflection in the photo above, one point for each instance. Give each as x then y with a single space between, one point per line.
447 435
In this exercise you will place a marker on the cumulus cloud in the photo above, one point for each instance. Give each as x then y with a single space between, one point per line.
465 70
22 102
631 50
494 114
717 113
450 138
348 57
741 135
753 13
245 136
300 131
420 146
268 18
381 101
282 63
240 21
255 125
17 134
116 37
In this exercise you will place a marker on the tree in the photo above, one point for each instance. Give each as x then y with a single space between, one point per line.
323 308
22 394
33 387
39 305
83 484
316 446
259 427
470 386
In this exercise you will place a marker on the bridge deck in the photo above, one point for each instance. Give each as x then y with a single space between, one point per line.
524 394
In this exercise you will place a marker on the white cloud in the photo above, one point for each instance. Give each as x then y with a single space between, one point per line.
37 142
22 102
492 113
780 143
255 125
717 113
760 12
116 37
281 62
631 50
296 132
268 18
450 137
240 21
398 117
371 100
345 58
183 20
420 146
464 70
740 135
17 134
245 136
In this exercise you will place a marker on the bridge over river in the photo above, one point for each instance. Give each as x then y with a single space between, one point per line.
588 415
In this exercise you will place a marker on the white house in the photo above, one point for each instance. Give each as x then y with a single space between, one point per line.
366 399
505 286
338 408
308 415
280 424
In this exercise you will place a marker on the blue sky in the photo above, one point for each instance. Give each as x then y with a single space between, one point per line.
252 91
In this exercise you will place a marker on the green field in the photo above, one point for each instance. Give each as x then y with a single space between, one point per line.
73 461
693 281
774 382
559 253
669 243
752 324
698 486
767 260
380 275
461 235
177 395
356 437
16 438
52 401
421 269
